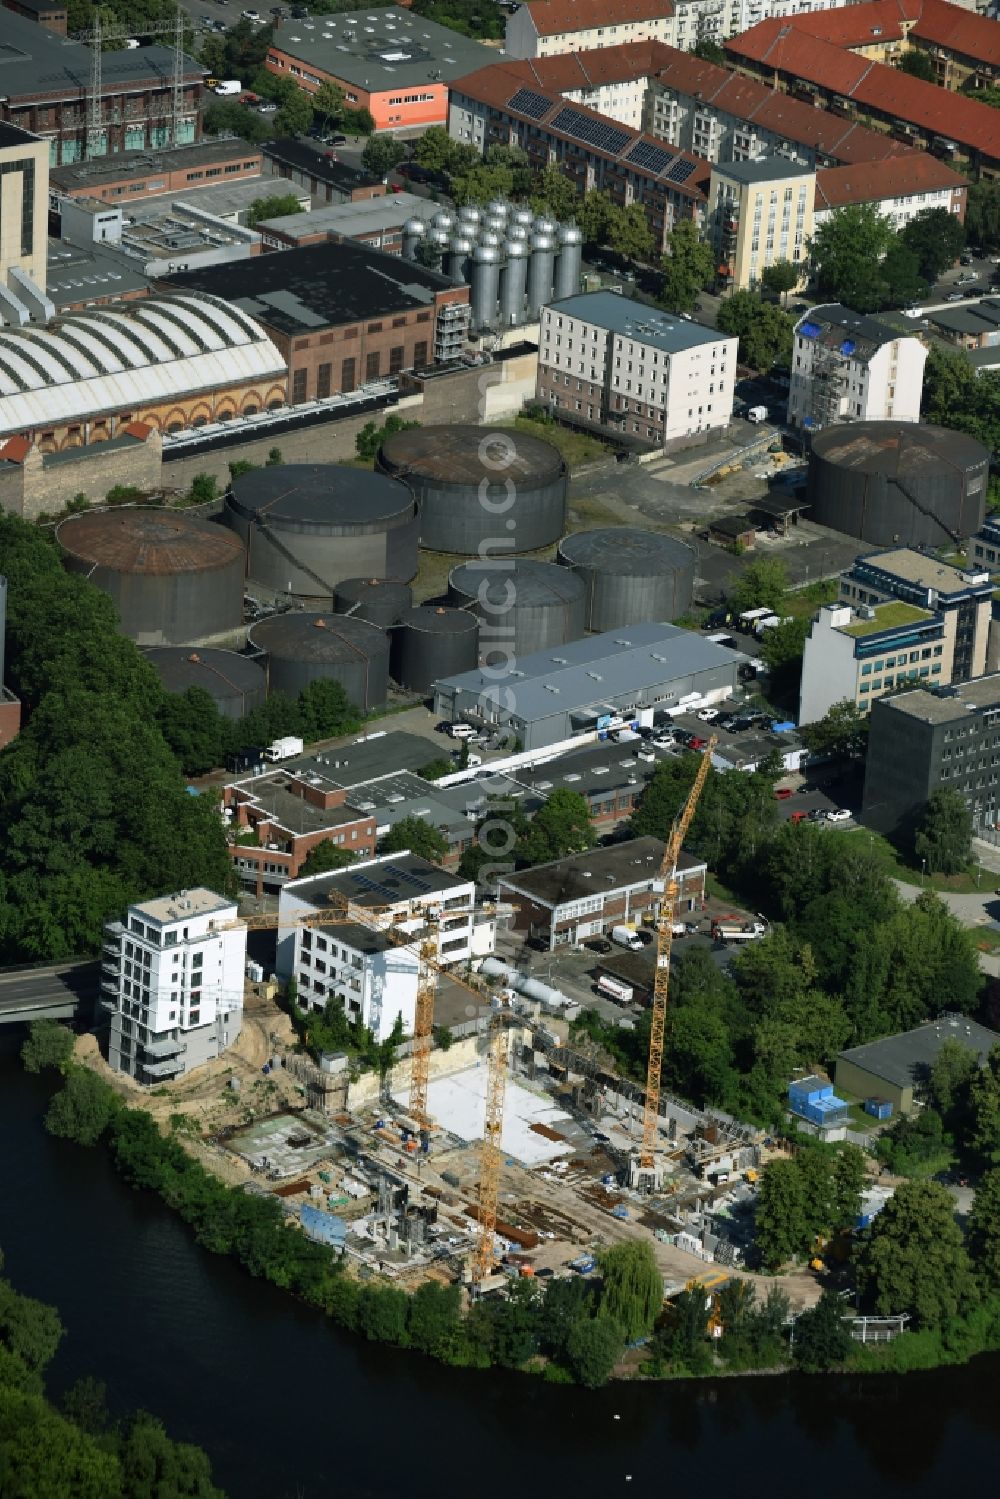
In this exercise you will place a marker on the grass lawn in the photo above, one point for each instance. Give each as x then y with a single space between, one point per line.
973 881
575 447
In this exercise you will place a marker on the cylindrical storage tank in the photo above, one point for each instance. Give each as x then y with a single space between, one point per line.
513 283
303 648
460 258
524 217
525 606
308 526
440 239
898 483
518 232
381 601
468 214
414 231
499 209
540 273
173 577
570 262
485 285
491 237
545 225
632 577
443 220
236 684
430 643
473 485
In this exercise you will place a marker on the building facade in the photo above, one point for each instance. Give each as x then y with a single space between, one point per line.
962 598
551 28
857 655
24 194
849 367
172 977
136 175
897 1068
276 820
371 978
619 367
760 212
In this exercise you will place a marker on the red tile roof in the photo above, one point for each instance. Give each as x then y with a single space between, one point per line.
552 17
865 24
875 181
582 70
959 31
15 449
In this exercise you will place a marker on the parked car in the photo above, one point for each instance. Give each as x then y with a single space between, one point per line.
663 741
782 793
799 817
708 715
955 296
695 743
683 736
841 814
818 814
740 724
598 944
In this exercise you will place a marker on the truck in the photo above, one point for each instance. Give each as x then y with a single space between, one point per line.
757 414
622 994
284 749
731 929
625 936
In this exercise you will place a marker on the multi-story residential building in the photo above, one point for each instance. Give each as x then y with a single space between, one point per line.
371 977
585 895
172 977
856 655
761 212
24 194
614 365
849 367
548 28
924 741
900 187
401 891
962 598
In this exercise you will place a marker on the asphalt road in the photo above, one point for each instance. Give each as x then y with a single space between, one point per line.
58 985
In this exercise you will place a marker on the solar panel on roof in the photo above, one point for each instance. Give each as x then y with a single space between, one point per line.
594 132
681 170
651 158
527 102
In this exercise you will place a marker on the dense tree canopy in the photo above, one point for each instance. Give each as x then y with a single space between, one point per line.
913 1258
764 330
944 838
688 267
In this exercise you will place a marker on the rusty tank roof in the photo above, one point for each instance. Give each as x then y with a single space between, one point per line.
147 540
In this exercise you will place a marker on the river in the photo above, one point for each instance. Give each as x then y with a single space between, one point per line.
289 1408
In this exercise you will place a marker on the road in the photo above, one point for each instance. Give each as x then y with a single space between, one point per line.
60 988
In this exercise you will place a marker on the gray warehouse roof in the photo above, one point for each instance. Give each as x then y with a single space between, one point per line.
37 63
588 673
377 882
907 1058
599 870
648 325
381 49
946 703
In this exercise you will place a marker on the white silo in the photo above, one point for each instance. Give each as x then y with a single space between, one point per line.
570 262
513 283
414 233
540 273
485 285
458 261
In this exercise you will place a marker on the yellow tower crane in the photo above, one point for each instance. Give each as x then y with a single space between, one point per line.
645 1168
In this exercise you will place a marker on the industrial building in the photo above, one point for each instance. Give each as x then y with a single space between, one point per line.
275 820
308 527
619 367
376 222
138 175
396 65
927 740
35 484
173 578
478 490
381 601
592 684
10 706
963 597
585 895
172 978
524 606
855 655
898 483
236 685
898 1068
848 367
416 897
631 576
163 234
169 363
325 178
342 315
428 643
301 648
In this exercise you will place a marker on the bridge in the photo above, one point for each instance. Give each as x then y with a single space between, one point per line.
60 991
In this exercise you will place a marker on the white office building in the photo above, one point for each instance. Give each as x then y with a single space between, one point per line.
549 28
172 976
848 367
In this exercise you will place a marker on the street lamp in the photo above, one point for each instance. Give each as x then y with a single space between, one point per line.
923 866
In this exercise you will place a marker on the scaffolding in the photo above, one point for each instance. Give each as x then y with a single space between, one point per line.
96 39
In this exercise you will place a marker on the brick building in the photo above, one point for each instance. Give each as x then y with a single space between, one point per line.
33 483
48 13
321 176
342 315
276 821
135 175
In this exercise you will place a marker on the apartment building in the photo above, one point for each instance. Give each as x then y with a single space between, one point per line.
856 655
371 977
899 187
548 28
848 367
928 740
760 212
962 598
24 192
613 365
172 977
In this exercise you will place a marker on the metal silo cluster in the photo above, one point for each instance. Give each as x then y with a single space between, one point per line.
513 261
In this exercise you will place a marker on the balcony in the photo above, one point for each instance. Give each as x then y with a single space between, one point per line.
157 1051
153 1072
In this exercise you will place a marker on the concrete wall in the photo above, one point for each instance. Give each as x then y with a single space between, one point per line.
35 488
364 1093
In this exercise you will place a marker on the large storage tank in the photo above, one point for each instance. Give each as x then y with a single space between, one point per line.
632 577
897 483
513 283
570 262
236 684
308 526
305 647
381 601
540 273
173 578
430 643
525 606
474 486
485 285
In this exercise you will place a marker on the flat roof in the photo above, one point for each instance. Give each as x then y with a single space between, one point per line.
11 136
589 674
889 616
598 871
592 769
389 880
367 216
945 704
131 164
36 62
290 810
306 157
225 199
184 904
381 49
318 286
93 272
771 169
920 568
908 1058
648 325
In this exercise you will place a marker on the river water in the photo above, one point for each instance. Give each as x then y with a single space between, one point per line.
289 1408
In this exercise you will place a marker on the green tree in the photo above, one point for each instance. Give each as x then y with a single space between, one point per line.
916 1146
327 712
325 857
984 1110
295 114
381 154
432 1318
843 732
593 217
782 1226
371 437
683 1341
846 256
936 237
913 1259
28 1328
944 838
418 836
822 1339
709 51
628 232
780 278
561 826
782 648
154 1466
632 1288
951 1078
44 1457
918 65
764 330
49 1044
902 280
328 104
82 1110
956 396
226 117
761 584
435 769
204 489
276 206
194 729
982 214
688 267
984 1230
555 193
593 1347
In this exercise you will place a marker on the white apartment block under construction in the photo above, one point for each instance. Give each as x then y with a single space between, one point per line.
172 977
847 367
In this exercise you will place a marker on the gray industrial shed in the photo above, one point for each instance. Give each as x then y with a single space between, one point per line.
548 697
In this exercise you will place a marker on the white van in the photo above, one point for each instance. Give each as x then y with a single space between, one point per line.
461 730
228 87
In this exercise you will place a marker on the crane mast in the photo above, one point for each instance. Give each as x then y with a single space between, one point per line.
95 39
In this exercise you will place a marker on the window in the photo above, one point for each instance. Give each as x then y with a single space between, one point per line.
396 360
420 353
372 364
323 375
347 378
298 387
374 327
